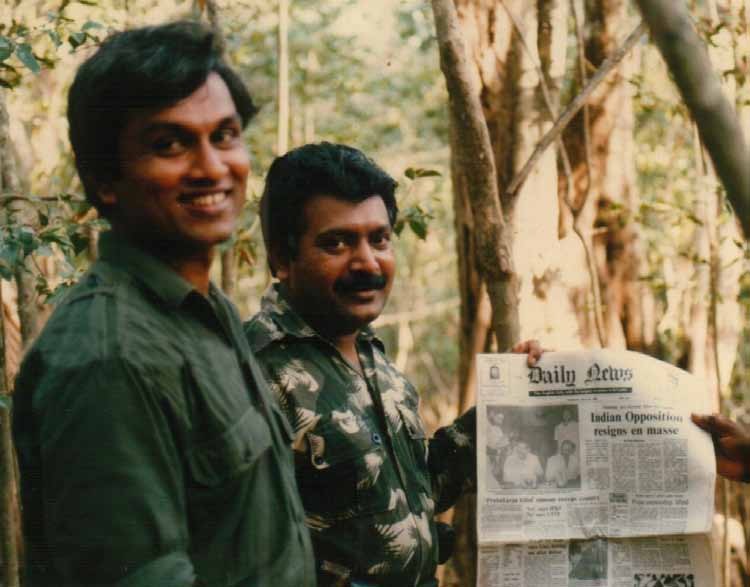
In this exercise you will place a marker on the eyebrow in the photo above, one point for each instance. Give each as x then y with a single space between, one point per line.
349 232
160 126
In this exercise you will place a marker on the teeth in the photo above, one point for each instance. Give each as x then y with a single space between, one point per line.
208 199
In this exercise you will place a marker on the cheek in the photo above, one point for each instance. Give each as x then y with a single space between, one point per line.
163 176
239 164
388 265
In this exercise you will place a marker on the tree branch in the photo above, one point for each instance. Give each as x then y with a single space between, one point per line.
572 109
719 127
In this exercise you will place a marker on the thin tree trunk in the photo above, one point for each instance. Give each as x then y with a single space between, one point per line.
8 509
228 272
8 516
282 140
18 213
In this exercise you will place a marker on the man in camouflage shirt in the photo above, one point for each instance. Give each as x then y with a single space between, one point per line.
369 484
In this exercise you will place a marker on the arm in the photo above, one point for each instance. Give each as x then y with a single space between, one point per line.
113 494
731 445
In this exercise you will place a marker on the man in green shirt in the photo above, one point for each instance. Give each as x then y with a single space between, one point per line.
151 451
369 484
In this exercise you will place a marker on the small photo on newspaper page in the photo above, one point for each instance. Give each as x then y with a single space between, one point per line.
532 449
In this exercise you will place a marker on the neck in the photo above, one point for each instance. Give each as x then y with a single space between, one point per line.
192 265
194 270
344 341
347 346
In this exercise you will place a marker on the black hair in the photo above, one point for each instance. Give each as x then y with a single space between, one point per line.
315 170
144 68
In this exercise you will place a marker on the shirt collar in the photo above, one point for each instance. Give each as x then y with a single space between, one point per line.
280 320
155 275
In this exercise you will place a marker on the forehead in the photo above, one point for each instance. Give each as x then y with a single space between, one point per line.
327 213
207 106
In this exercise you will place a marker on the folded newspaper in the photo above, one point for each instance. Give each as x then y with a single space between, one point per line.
591 473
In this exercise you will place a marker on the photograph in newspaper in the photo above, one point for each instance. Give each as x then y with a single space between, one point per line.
660 561
590 444
536 450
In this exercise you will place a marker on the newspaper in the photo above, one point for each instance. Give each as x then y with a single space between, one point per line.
658 561
585 451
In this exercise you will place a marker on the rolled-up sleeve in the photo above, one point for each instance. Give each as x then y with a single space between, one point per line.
112 492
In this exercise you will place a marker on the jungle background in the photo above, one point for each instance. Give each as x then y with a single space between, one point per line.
619 235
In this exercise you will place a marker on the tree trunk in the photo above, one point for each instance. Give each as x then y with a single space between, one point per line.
503 86
600 144
18 213
8 508
282 140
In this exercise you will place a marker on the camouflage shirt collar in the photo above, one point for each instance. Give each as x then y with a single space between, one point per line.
280 321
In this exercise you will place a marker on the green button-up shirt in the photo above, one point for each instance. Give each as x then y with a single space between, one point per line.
151 451
369 482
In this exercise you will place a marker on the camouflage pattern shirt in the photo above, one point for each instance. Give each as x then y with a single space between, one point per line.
370 480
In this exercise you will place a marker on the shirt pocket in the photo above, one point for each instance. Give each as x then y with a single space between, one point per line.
228 456
417 441
344 473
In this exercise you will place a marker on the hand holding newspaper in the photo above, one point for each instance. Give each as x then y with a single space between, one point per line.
591 472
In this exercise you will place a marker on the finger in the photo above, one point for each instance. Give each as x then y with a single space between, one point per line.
519 347
716 424
535 351
532 348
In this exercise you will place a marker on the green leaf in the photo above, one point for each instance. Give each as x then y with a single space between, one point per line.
25 54
77 39
92 24
59 294
9 255
52 236
55 36
28 240
6 48
419 226
414 173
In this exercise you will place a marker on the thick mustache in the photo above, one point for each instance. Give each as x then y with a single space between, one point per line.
360 282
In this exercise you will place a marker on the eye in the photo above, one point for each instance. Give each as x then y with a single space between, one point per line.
381 239
226 136
332 243
168 145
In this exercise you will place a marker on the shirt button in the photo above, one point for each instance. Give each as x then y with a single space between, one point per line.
376 438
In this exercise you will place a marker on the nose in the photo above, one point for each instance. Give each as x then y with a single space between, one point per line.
365 258
207 163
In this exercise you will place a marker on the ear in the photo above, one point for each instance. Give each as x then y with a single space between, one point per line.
106 194
278 263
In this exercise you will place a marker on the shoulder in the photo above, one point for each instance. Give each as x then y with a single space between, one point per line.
261 331
104 320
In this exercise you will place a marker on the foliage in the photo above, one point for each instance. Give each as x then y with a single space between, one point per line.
36 45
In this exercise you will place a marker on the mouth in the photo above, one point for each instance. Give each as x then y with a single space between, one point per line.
205 201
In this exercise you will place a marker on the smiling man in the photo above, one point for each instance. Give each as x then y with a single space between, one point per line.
151 450
368 483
